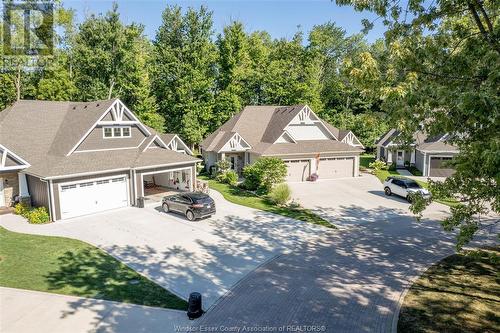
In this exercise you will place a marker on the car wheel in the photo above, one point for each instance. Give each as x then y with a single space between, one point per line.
165 207
387 191
190 215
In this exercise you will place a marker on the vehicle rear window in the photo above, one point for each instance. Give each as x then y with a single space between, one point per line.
203 200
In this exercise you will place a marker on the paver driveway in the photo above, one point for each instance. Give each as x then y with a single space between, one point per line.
208 256
351 281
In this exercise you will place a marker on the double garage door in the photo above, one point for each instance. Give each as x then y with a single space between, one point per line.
336 167
438 167
91 196
329 168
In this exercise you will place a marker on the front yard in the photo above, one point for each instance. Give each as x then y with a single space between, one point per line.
71 267
459 294
245 198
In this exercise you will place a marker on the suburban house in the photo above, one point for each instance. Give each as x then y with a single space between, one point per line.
427 153
307 144
78 158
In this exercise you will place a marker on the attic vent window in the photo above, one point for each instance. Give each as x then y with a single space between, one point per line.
116 132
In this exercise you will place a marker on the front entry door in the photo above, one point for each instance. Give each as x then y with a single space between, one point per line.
400 158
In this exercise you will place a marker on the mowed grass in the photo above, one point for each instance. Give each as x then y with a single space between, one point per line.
70 267
245 198
459 294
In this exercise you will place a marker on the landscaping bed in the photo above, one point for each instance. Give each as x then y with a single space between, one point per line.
461 293
242 197
71 267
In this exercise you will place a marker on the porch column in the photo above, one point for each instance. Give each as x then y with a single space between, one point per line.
378 153
412 157
356 166
389 156
23 185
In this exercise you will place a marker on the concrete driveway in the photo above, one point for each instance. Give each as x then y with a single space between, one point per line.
208 256
350 281
345 201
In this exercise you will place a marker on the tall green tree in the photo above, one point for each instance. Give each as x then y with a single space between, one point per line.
293 75
110 59
233 73
184 63
444 60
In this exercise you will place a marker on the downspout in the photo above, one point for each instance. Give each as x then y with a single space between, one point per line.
48 198
132 182
52 202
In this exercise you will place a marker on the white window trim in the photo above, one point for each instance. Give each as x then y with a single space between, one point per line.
113 132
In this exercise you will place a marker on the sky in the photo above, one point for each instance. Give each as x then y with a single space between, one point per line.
278 17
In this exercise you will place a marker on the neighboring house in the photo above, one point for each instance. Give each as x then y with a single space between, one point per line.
427 154
307 144
78 158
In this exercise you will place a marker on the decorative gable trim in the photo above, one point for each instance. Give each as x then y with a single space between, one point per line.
118 112
4 153
174 145
156 139
307 116
236 143
283 137
352 140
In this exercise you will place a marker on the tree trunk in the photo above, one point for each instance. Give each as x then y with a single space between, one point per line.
111 89
17 82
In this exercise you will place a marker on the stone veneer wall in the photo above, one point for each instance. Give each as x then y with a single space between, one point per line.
10 187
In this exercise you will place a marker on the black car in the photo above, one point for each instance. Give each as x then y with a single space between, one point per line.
192 204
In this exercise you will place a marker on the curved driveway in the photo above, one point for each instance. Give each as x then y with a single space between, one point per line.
351 281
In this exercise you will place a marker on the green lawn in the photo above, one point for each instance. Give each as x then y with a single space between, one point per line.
459 294
241 197
365 160
70 267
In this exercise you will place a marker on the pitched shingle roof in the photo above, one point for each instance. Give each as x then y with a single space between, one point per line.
261 126
43 132
421 140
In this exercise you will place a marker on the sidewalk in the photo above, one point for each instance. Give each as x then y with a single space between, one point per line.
32 311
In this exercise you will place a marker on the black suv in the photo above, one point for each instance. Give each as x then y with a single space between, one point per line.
193 205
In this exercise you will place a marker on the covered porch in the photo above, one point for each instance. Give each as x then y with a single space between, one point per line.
157 184
237 160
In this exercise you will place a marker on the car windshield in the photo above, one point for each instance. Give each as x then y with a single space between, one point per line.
412 185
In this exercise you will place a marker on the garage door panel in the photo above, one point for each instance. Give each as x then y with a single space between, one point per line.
297 170
92 196
332 168
438 167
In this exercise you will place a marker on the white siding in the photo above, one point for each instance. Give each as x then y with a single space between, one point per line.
307 132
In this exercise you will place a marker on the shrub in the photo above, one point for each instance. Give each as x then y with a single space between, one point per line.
229 177
264 174
21 209
280 194
378 165
38 216
222 166
33 215
392 167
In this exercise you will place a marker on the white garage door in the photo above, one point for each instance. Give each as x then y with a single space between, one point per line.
339 167
92 196
298 170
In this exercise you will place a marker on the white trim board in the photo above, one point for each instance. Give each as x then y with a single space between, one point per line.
111 107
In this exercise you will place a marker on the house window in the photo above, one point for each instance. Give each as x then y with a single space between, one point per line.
126 132
108 132
117 132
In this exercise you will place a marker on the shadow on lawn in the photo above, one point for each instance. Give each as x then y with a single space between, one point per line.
93 273
461 293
